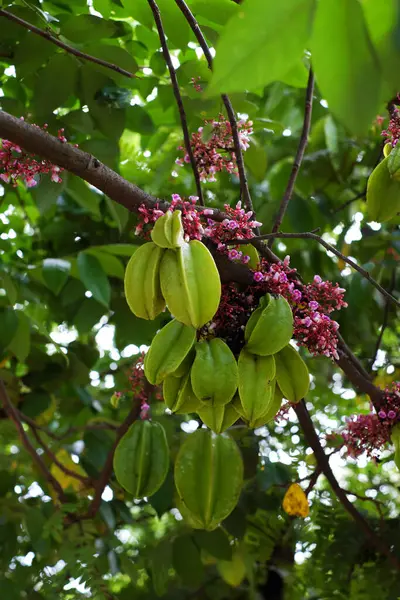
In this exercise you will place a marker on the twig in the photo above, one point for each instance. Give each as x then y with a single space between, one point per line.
57 42
378 503
348 202
312 236
384 320
344 348
313 480
69 432
13 416
299 156
175 85
108 466
312 439
52 456
229 109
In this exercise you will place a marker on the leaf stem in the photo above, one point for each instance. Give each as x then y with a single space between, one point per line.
175 85
299 156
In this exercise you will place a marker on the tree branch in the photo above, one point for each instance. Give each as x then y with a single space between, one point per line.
46 35
229 109
175 86
35 140
69 432
384 320
39 142
312 236
54 459
105 475
12 414
312 439
299 156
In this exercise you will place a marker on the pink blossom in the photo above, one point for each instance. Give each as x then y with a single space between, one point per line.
258 276
216 153
18 165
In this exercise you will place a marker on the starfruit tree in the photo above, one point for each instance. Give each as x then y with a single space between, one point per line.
199 344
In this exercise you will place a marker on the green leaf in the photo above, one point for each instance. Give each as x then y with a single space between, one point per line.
213 11
345 65
84 28
157 64
47 193
255 159
111 265
8 285
250 56
115 55
55 273
119 213
215 543
103 7
89 313
187 561
138 120
140 11
94 277
84 196
8 327
117 249
21 343
161 560
51 90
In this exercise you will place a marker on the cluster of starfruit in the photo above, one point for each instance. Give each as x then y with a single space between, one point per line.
203 375
199 373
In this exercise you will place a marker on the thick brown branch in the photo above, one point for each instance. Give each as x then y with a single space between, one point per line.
35 140
229 109
299 156
178 97
312 439
46 35
14 417
312 236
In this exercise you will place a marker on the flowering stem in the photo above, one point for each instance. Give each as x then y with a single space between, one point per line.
299 156
57 42
246 197
90 169
312 439
175 85
312 236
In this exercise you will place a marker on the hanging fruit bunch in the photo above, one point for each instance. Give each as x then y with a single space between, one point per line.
221 373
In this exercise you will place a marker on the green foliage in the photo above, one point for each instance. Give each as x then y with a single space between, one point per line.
68 340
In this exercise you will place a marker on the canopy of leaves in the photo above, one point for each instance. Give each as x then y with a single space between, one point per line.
68 340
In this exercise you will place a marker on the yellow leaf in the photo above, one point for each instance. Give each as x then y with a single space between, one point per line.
233 571
67 481
295 502
46 416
